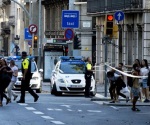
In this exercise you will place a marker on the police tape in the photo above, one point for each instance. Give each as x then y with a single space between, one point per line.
126 74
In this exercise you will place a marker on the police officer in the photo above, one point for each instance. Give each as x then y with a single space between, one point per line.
88 75
27 75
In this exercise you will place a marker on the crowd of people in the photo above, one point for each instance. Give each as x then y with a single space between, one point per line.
138 86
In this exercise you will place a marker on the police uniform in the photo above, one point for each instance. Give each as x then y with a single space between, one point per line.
88 75
25 83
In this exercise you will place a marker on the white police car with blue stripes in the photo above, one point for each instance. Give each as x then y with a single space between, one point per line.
68 76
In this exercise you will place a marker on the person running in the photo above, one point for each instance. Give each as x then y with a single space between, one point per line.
14 71
144 72
5 78
27 75
120 84
135 89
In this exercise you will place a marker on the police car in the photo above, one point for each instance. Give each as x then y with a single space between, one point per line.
36 81
68 76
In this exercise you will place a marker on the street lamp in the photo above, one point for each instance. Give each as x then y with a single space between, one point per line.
16 44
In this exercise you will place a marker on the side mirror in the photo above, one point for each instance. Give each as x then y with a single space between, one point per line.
41 70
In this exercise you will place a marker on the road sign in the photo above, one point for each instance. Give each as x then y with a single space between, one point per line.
32 28
69 34
27 35
30 42
70 19
119 16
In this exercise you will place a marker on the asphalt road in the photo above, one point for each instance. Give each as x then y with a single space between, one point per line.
69 110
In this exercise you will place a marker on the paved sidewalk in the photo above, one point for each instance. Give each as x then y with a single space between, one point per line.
100 96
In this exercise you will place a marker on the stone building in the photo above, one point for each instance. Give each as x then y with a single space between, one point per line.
85 32
132 38
13 21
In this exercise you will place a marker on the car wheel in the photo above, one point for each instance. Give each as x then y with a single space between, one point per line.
54 91
40 89
94 92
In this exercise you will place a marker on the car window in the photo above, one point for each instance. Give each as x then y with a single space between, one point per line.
33 66
72 67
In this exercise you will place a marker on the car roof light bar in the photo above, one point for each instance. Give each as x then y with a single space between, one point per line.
71 58
19 57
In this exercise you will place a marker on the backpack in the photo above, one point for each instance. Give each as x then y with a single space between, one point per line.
120 83
110 74
130 81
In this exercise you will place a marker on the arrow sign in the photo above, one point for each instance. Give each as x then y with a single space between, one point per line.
119 16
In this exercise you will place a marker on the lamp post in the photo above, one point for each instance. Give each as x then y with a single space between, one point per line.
40 36
16 44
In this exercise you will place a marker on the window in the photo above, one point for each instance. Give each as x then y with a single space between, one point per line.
72 67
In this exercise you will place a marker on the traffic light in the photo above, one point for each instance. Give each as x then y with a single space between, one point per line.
109 25
35 41
77 42
66 51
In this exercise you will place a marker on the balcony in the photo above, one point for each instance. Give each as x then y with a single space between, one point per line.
5 28
98 6
48 2
5 25
6 2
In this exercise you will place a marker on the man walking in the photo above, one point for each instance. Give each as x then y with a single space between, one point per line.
88 75
26 76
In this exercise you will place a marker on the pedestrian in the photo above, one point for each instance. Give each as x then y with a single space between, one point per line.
5 78
144 72
120 84
135 89
136 61
112 86
14 71
88 75
26 77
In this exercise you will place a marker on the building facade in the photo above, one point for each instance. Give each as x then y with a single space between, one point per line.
85 32
131 37
14 20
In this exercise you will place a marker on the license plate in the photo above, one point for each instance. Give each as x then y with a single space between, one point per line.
18 83
76 86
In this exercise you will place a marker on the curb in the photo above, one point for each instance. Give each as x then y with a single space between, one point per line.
100 97
126 104
104 99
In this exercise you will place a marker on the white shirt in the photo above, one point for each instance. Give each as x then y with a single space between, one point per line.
14 78
144 72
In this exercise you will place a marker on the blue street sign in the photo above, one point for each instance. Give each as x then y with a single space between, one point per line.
27 35
119 16
70 19
69 34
